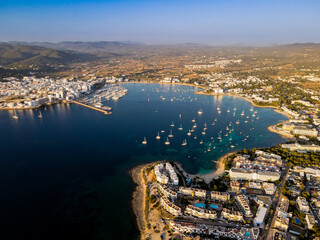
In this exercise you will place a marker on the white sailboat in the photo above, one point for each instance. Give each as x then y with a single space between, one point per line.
170 135
172 124
144 141
242 114
180 128
200 111
167 142
40 115
15 116
189 133
184 143
158 136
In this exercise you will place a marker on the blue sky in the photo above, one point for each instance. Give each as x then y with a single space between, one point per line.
217 22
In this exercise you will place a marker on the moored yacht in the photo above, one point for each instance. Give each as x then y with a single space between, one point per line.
15 116
144 141
158 136
170 135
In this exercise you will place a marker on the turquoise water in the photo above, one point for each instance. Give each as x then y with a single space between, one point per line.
214 206
200 205
62 174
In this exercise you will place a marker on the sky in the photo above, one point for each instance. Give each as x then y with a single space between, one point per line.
214 22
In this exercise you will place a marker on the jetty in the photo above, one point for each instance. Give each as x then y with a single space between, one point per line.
105 111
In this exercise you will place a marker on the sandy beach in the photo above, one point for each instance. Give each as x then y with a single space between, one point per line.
214 174
272 128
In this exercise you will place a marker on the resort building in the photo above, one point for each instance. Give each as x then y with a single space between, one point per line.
255 185
298 147
186 191
261 215
270 156
167 192
207 230
303 204
165 174
220 196
235 186
200 212
200 193
232 215
243 204
303 130
269 188
310 221
253 175
170 207
193 192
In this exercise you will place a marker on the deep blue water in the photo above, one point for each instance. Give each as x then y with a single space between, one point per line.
65 176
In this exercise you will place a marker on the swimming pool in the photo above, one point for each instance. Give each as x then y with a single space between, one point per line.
214 206
200 205
297 220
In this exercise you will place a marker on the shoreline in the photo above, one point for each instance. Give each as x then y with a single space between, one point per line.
138 197
138 202
199 92
285 135
217 172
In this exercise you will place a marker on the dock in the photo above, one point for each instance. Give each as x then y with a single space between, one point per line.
92 107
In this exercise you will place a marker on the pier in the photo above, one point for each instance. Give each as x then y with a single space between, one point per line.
92 107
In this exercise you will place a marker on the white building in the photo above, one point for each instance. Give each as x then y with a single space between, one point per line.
303 204
200 212
261 215
252 175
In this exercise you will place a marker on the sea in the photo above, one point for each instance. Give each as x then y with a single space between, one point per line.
66 175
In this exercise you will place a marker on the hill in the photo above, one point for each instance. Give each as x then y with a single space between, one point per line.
86 47
17 56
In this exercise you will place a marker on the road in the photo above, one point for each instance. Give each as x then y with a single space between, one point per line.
278 195
315 214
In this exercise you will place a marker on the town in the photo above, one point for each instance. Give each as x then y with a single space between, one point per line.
259 197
